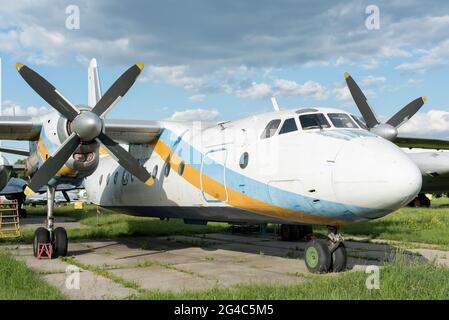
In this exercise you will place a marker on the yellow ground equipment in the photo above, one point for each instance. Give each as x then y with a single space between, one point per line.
9 219
78 205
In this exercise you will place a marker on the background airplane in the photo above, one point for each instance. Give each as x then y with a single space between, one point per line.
10 187
434 165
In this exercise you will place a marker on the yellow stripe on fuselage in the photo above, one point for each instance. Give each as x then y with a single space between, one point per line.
103 151
43 151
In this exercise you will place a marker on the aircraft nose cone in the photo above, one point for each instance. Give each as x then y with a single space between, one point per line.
373 177
87 126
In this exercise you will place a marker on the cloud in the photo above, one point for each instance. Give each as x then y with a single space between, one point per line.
392 52
10 108
429 59
431 123
413 81
40 45
373 80
195 115
256 91
174 75
197 98
233 58
266 35
342 93
309 88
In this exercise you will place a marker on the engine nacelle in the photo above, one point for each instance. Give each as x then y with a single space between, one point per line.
56 129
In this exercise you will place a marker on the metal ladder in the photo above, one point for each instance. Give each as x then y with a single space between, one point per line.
9 219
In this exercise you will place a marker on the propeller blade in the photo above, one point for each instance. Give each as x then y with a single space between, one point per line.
407 112
118 89
361 102
126 160
48 92
54 163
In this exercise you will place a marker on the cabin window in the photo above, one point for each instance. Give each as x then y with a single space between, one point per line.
108 178
244 158
270 129
154 172
167 169
181 168
313 121
288 126
101 180
359 122
115 177
125 178
341 120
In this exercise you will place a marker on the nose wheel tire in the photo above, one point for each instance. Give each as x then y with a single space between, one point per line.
317 256
41 235
60 242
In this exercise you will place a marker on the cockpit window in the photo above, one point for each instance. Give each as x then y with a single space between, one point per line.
288 126
359 122
313 121
270 129
341 120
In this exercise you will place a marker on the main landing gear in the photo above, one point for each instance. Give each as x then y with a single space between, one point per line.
291 232
422 200
326 255
50 242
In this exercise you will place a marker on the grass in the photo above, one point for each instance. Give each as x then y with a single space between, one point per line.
17 282
430 226
421 225
109 224
400 280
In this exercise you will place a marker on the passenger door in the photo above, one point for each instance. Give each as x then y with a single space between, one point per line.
213 175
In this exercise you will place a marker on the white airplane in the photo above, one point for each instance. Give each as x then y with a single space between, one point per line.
294 167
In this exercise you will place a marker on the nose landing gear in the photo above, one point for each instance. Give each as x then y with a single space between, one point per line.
49 236
322 256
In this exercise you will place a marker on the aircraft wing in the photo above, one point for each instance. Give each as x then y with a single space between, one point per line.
122 131
14 186
132 131
19 128
422 143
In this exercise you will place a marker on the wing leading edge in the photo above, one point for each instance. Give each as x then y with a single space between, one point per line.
132 131
422 143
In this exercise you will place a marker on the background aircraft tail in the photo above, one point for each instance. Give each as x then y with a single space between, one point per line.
93 80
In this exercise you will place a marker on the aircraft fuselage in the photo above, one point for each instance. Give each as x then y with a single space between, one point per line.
228 172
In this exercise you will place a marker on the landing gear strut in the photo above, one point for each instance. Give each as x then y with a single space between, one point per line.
57 238
326 255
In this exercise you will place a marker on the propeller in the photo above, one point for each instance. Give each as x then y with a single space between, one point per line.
86 125
388 130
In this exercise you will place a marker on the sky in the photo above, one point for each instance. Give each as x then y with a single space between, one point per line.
223 60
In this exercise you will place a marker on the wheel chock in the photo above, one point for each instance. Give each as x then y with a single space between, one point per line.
44 251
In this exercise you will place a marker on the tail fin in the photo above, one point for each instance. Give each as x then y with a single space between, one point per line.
94 88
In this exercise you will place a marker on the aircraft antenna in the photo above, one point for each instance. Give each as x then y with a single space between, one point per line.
275 104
